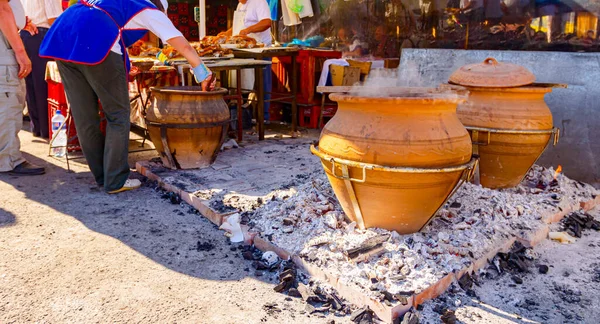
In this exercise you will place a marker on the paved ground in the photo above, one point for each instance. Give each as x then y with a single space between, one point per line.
71 253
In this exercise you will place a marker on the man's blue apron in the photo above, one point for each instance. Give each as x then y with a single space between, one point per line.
87 31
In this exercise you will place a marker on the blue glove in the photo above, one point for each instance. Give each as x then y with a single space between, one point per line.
162 58
201 72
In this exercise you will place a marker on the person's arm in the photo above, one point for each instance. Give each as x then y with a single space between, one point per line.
261 26
53 10
159 24
9 29
226 33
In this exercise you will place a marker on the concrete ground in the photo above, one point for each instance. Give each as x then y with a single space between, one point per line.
71 253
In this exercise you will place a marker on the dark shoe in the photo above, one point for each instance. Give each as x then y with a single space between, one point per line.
37 135
27 169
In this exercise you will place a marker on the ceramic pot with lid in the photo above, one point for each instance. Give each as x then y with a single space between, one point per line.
508 120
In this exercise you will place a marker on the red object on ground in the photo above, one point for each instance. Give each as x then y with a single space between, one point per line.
58 100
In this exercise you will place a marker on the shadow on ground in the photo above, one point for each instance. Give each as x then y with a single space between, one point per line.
173 235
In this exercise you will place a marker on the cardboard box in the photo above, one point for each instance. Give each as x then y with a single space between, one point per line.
344 75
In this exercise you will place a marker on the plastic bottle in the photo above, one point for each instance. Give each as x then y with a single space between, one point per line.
59 145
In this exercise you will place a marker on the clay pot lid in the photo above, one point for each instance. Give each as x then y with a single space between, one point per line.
492 74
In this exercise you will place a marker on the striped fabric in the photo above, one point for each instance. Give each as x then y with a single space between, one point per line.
39 11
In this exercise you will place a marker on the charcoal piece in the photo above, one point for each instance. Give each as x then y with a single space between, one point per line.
410 318
323 309
204 246
335 302
288 278
362 316
465 282
440 309
543 269
259 265
310 309
367 246
455 205
449 317
293 292
471 293
388 296
517 280
286 273
374 280
283 286
247 255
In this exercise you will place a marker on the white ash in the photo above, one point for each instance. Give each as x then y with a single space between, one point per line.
473 222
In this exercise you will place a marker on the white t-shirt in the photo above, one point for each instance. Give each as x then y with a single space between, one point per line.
153 20
18 12
39 11
257 10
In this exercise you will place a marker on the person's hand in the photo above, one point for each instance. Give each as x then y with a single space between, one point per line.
244 32
24 64
204 76
30 27
209 84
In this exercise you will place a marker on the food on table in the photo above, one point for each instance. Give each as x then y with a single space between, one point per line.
140 48
209 46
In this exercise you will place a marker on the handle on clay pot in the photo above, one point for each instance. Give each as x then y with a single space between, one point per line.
490 60
347 177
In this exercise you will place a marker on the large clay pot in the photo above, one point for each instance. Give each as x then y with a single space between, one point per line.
507 118
393 159
187 125
510 127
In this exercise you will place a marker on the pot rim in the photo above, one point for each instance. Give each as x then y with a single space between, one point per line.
401 95
530 88
314 149
189 90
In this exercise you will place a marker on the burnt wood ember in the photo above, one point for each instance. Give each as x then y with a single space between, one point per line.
204 246
576 222
363 316
449 317
367 246
517 280
408 318
543 269
455 205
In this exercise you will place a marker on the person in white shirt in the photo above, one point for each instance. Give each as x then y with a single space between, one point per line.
41 15
256 17
14 66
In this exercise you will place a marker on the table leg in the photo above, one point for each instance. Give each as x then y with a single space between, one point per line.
240 112
294 85
260 93
224 81
323 96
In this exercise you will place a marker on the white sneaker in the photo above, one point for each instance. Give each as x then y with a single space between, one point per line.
130 184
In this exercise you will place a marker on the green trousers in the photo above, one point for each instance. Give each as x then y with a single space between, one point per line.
84 85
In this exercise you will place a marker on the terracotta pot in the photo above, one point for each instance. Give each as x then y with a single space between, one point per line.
187 125
394 159
513 127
